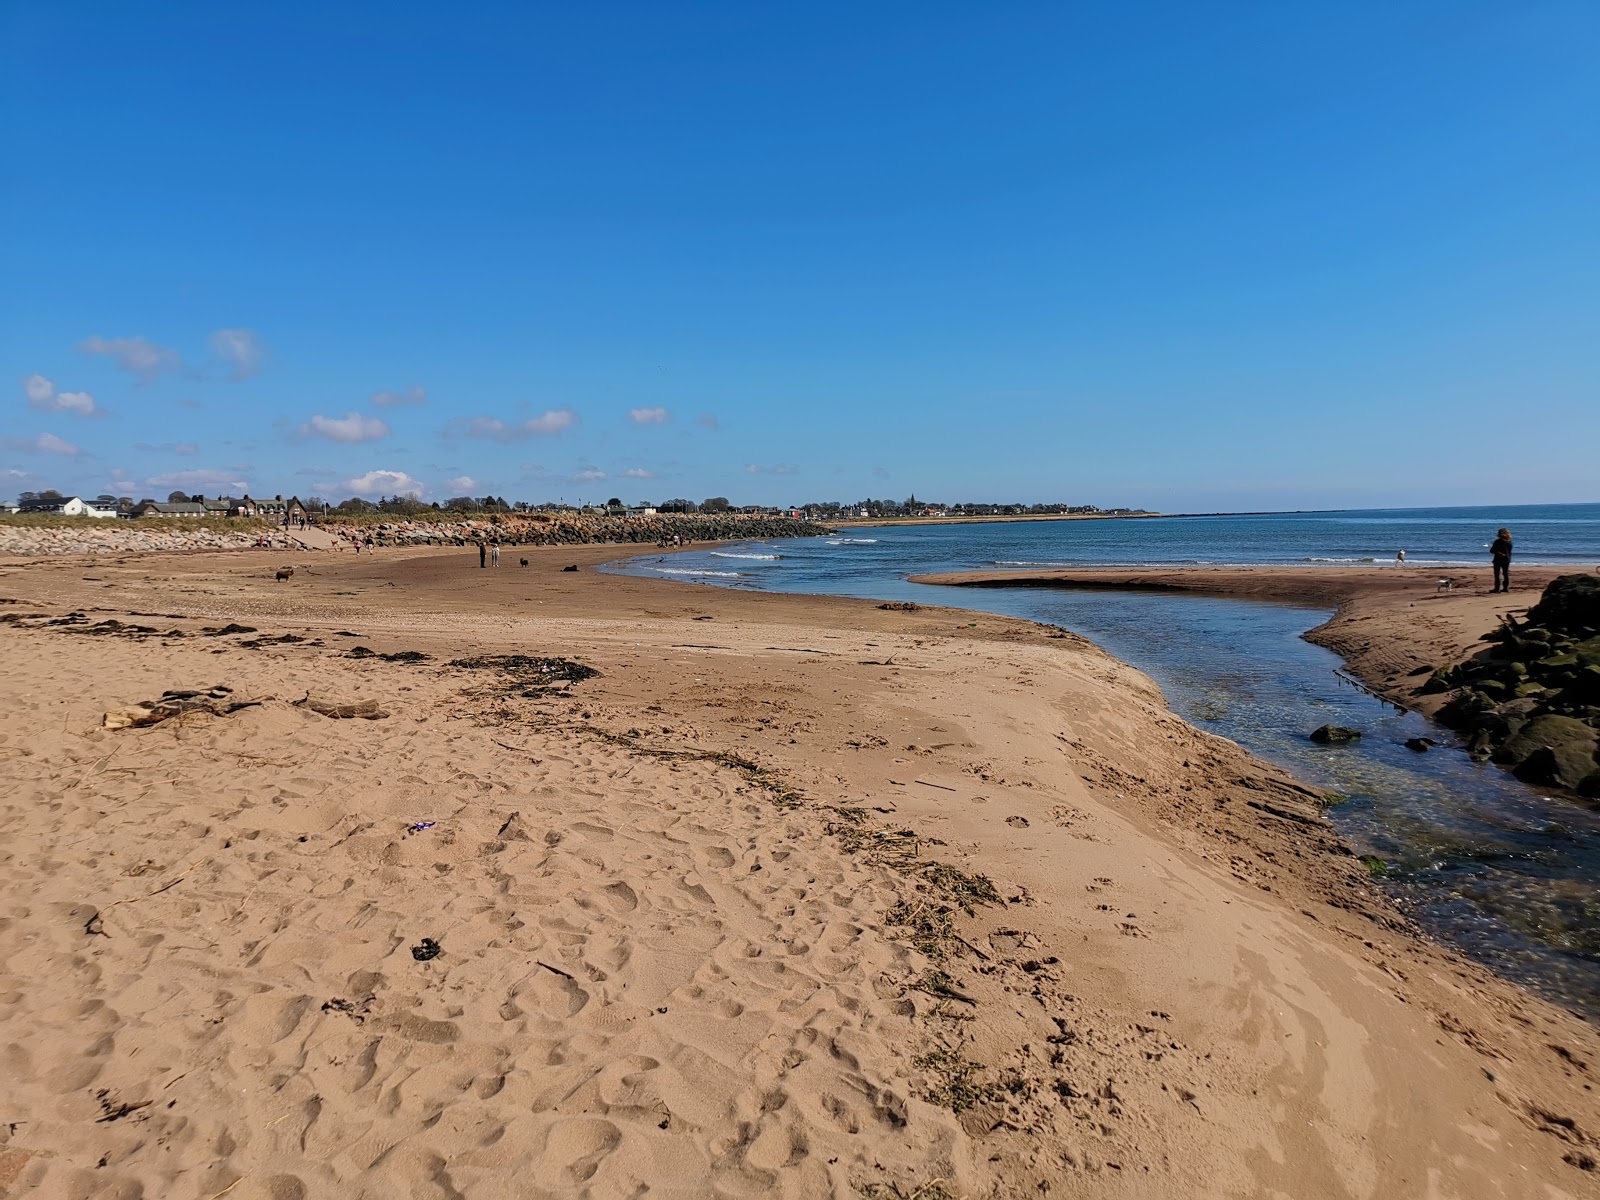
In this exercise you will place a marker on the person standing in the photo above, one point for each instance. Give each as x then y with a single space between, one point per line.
494 554
1500 555
483 555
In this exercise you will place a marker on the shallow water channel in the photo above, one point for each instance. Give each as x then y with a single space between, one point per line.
1479 859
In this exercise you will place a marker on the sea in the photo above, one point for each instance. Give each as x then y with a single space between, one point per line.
1487 864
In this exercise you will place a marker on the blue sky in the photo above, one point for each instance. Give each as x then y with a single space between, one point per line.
1219 256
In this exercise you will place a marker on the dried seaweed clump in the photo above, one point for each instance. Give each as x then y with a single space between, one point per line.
526 674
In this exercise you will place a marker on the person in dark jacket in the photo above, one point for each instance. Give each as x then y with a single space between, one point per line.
1500 555
483 554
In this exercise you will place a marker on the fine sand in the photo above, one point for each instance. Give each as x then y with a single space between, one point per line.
796 897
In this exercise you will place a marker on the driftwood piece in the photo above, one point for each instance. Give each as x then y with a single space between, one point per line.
217 702
329 706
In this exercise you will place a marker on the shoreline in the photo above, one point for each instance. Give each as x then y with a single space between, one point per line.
874 522
1386 623
1178 964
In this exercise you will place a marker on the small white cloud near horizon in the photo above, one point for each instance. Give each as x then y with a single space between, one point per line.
588 475
351 429
546 424
708 421
780 469
42 395
638 473
202 480
384 483
461 483
649 416
241 349
411 396
136 355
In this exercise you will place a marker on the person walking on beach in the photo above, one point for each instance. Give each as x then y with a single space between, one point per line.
1400 559
483 555
1500 555
494 554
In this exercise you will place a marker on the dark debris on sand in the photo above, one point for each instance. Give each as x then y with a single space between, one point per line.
399 656
527 675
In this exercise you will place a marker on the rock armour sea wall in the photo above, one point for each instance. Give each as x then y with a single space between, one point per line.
538 529
1532 701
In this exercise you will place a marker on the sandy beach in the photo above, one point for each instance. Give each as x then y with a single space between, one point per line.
793 896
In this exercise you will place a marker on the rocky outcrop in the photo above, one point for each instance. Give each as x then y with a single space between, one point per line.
570 529
72 536
1532 701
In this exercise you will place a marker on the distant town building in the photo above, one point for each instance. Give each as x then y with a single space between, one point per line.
69 506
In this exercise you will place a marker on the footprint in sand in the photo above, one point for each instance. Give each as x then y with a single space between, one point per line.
580 1145
1017 822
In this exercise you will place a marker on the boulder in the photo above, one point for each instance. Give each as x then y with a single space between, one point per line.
1570 604
1553 751
1335 735
1420 744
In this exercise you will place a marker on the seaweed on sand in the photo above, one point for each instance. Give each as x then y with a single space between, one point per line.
954 1083
527 675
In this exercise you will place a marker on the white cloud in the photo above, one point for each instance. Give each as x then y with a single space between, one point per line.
638 473
649 416
780 469
241 349
547 424
42 395
461 483
415 395
45 443
383 483
51 444
752 469
202 480
135 355
77 402
350 429
588 475
184 448
707 421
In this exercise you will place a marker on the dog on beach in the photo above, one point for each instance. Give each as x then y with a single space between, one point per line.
1445 585
285 573
523 561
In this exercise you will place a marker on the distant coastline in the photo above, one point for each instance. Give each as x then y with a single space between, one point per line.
864 522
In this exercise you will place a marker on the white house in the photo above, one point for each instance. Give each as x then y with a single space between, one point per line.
75 506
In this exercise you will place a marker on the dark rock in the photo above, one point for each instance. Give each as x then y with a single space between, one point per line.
1570 604
1464 708
1589 786
1552 750
1441 680
1420 744
1333 735
573 567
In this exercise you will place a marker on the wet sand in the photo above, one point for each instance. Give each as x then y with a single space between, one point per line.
703 917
